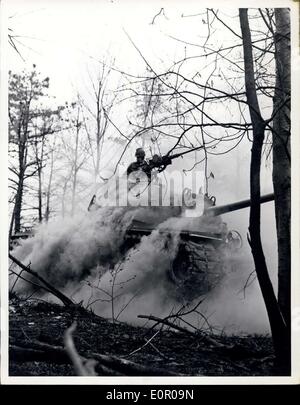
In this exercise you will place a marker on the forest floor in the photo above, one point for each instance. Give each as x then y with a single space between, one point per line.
38 326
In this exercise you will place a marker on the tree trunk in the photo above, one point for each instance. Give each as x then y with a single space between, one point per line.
281 158
47 210
19 195
40 200
18 203
98 134
278 327
63 208
74 192
12 221
74 183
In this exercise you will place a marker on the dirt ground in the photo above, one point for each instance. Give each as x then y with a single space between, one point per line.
172 351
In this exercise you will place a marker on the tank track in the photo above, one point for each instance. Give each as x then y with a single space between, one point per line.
197 269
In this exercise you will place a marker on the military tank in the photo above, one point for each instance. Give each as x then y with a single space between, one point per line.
206 245
205 248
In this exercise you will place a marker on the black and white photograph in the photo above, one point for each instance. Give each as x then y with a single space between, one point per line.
150 168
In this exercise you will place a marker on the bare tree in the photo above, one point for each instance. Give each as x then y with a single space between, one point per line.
278 326
29 123
281 158
96 115
72 155
50 185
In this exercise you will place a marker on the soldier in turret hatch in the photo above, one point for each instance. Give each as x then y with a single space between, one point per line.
140 164
158 162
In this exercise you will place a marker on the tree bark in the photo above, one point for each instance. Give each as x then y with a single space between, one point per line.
22 156
40 199
278 327
19 200
281 158
12 221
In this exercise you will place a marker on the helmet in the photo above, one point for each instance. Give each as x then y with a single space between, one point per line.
140 152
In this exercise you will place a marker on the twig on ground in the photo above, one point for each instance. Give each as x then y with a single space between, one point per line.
144 345
25 334
158 351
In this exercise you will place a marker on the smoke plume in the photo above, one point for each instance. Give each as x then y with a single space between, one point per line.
86 258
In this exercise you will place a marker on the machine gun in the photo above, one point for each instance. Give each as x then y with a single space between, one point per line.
161 162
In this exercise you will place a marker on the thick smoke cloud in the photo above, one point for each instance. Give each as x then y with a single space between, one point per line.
85 257
67 250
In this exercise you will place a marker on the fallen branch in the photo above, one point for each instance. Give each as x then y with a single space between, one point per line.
82 370
63 298
179 314
130 368
22 351
168 323
207 339
26 353
105 364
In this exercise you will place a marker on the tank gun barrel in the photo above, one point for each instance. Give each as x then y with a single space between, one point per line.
223 209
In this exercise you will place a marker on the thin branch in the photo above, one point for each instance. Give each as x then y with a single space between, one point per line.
64 299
